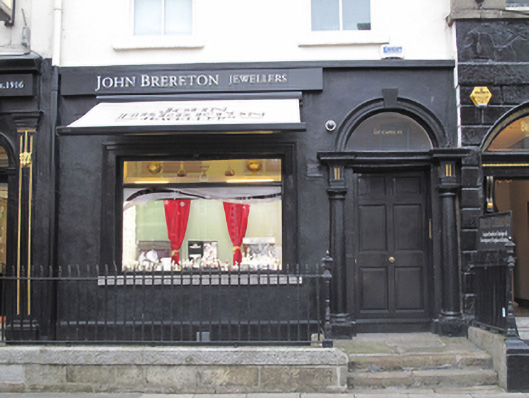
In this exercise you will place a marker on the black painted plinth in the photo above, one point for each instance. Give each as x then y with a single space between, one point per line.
517 365
451 326
343 326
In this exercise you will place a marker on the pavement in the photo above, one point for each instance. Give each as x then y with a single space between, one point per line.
477 392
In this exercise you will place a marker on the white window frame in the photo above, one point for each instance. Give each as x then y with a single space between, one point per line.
517 7
126 40
322 38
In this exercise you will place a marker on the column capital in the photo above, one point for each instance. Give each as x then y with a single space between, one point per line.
26 121
337 193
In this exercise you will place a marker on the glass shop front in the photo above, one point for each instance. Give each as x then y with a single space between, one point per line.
202 214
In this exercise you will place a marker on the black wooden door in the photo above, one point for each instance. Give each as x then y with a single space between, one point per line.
392 240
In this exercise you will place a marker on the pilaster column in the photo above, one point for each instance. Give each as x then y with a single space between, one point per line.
342 324
26 123
337 245
450 319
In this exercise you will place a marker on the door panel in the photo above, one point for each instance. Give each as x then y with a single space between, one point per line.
407 185
373 222
374 289
391 255
408 227
408 288
372 185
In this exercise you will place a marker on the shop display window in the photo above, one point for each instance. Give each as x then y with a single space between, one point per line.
389 131
337 15
514 137
221 215
163 17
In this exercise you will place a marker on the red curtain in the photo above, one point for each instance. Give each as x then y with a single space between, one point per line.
176 217
237 221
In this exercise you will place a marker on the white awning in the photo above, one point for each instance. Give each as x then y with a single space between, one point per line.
256 112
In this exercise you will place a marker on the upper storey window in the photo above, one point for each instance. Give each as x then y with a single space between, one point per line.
339 15
163 17
517 4
158 24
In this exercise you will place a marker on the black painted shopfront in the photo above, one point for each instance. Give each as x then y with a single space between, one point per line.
190 190
336 189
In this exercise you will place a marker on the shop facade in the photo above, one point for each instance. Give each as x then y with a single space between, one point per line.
210 173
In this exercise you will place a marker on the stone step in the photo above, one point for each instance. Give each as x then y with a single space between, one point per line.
522 323
419 361
422 378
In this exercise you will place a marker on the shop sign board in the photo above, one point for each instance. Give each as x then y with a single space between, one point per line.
105 81
16 85
494 231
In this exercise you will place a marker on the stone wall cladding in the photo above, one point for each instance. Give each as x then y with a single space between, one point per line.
172 370
493 54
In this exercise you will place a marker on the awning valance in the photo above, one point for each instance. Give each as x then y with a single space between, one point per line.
198 115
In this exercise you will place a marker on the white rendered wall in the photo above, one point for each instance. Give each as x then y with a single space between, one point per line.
95 32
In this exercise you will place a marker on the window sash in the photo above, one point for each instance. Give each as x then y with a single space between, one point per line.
357 12
159 23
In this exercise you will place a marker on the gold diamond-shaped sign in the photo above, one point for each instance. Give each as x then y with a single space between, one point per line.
480 96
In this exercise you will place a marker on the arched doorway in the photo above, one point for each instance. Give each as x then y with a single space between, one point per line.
390 212
387 182
505 160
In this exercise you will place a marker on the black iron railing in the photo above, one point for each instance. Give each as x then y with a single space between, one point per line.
102 305
493 272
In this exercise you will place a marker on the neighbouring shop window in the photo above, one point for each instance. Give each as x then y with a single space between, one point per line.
4 162
202 214
514 137
336 15
389 131
163 17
